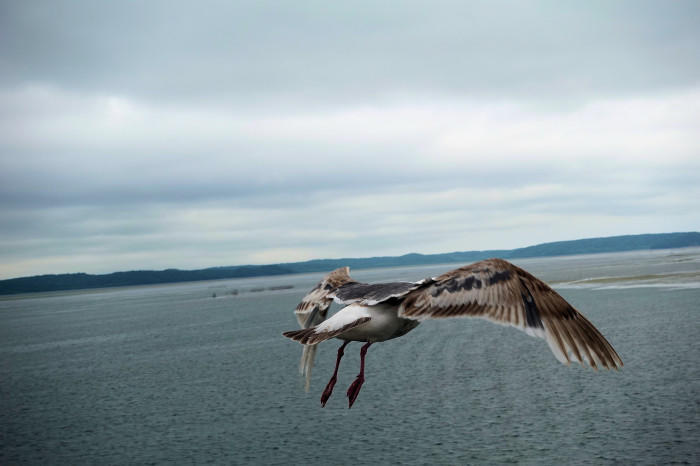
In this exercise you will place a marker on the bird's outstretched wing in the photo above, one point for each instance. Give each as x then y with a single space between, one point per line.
314 306
312 310
501 292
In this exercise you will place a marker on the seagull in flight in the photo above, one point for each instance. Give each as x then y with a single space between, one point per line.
492 289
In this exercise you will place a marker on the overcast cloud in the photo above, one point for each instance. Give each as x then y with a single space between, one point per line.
147 135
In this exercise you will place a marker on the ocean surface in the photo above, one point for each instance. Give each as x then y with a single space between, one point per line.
198 373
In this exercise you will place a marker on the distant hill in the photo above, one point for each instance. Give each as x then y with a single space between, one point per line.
77 281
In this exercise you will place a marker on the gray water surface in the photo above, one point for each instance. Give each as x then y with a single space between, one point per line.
171 374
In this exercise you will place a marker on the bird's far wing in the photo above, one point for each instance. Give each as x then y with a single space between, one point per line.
370 295
312 310
344 320
314 306
501 292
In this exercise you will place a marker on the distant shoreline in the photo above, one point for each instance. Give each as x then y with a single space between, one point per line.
83 281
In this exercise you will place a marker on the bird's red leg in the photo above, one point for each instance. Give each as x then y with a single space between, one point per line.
331 383
354 389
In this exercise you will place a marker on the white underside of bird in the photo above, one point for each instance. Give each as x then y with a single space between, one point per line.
382 325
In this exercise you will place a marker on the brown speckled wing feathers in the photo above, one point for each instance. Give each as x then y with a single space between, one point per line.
314 306
499 291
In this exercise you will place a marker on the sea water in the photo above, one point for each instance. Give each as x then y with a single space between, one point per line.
199 373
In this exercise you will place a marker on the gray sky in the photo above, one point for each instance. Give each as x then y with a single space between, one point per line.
147 135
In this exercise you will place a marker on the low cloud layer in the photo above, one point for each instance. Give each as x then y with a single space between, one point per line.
153 136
